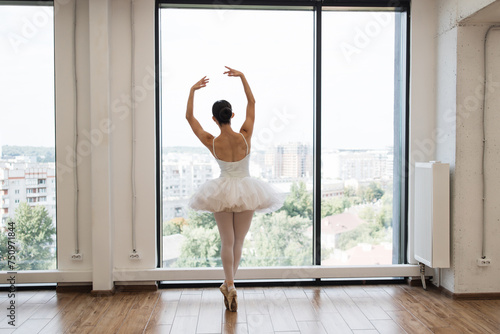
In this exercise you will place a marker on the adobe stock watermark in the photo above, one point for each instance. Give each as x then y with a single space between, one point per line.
120 106
364 36
472 103
30 26
11 275
280 120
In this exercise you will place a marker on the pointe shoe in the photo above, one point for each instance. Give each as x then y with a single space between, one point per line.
223 289
232 299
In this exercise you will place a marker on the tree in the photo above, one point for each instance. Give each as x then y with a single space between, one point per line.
35 236
299 202
374 230
373 192
278 240
385 216
334 206
349 191
4 248
43 154
201 247
174 226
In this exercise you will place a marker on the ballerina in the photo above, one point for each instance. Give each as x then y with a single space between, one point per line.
235 195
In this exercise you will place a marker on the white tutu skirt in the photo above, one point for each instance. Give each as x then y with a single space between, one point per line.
235 194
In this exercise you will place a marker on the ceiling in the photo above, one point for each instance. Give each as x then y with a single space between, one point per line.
489 14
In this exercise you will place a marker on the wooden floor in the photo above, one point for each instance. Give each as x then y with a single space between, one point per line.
335 309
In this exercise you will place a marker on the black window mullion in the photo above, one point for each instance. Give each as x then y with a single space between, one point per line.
406 144
368 3
401 139
159 148
317 142
398 140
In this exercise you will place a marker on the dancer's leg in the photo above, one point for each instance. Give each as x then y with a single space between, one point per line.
242 221
225 224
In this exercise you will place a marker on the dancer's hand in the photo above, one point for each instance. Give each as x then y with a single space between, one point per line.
232 72
200 84
247 127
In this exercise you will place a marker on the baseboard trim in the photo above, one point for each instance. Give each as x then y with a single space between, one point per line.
470 296
136 287
62 288
97 293
124 287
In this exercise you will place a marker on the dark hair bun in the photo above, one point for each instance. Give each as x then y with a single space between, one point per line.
222 111
225 114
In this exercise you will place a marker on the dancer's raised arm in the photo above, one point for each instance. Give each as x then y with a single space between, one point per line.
247 127
203 136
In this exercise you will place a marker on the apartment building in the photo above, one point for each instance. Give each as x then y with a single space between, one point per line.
23 180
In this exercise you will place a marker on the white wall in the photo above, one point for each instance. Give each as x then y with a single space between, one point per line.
468 208
104 89
122 116
446 111
446 125
459 74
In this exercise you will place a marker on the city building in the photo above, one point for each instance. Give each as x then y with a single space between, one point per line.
332 188
182 174
291 160
368 164
24 180
362 164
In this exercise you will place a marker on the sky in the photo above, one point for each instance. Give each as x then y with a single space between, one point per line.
275 50
27 76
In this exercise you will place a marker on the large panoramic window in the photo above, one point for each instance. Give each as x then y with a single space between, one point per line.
277 57
27 138
329 131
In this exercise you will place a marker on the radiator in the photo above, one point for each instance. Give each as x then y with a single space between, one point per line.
432 214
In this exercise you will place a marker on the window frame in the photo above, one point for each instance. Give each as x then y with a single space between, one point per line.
400 237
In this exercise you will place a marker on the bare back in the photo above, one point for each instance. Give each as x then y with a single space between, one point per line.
230 146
